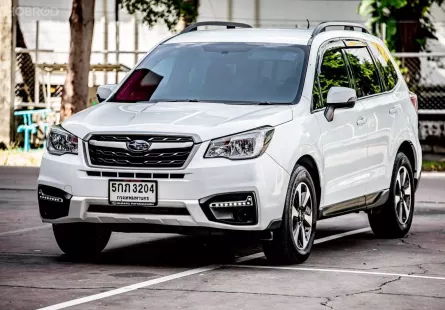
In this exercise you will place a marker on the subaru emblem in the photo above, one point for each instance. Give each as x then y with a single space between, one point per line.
138 146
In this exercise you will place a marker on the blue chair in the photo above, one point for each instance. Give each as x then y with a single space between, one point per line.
29 128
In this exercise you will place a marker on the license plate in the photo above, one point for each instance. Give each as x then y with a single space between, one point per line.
132 192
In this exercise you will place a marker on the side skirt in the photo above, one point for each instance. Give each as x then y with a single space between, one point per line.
357 204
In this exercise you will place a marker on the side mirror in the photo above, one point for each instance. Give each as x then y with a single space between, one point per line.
104 91
339 98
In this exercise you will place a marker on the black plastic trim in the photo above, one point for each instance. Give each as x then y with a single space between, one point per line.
321 27
204 203
228 25
54 203
137 210
274 224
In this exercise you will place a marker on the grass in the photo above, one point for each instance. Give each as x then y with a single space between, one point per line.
433 166
16 157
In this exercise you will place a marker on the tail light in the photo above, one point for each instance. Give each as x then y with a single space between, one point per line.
414 101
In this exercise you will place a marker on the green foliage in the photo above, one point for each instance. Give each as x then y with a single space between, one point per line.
364 71
410 16
333 72
433 166
168 11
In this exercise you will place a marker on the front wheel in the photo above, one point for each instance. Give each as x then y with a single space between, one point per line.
81 239
292 242
396 215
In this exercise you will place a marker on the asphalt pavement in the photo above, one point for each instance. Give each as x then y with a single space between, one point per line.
348 269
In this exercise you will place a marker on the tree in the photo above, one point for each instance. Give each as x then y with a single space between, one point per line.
408 26
408 22
171 12
75 89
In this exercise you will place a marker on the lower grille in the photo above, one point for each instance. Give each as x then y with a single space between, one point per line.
160 151
137 210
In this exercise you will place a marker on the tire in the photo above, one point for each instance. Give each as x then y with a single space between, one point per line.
284 247
396 215
81 240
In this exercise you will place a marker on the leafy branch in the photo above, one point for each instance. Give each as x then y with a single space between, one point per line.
171 12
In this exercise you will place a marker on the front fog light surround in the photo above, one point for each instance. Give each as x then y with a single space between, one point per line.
232 208
244 145
61 142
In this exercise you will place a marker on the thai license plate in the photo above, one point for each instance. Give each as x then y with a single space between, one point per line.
132 192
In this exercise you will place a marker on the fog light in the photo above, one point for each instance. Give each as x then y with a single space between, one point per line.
228 204
44 196
232 208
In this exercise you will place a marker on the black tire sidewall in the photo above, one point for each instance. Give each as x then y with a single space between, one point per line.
401 161
300 174
81 239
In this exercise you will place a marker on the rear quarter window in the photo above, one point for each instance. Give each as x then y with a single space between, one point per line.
365 72
386 66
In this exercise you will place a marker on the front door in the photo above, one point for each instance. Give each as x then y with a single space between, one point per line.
343 141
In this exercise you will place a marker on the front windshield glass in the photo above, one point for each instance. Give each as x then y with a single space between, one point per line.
217 72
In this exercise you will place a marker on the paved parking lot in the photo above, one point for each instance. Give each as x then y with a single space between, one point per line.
348 269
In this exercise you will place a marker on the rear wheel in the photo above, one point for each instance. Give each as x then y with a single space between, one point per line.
81 239
396 215
292 242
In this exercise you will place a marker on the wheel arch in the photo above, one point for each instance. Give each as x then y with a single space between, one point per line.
408 149
310 164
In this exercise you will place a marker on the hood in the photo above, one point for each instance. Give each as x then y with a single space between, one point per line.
206 120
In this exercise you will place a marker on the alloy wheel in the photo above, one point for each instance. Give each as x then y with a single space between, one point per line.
302 215
402 197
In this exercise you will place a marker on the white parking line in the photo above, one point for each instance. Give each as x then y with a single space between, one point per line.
337 236
176 276
385 274
24 230
129 288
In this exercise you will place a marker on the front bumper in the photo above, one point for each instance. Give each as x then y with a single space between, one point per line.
201 178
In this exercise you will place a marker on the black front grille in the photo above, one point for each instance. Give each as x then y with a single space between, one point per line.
153 158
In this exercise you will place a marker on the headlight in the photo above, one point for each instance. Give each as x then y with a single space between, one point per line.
61 141
244 145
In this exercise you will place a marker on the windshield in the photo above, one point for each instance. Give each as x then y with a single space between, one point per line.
218 72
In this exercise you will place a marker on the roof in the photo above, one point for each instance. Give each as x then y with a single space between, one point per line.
252 35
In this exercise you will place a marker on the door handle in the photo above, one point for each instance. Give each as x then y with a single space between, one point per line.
393 110
362 120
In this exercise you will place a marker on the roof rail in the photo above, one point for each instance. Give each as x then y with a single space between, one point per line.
228 25
321 27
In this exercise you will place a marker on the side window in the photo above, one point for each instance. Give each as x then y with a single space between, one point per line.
387 69
333 72
364 70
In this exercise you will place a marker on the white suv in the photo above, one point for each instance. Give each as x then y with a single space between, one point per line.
244 130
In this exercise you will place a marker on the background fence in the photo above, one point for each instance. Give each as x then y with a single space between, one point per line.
425 75
40 76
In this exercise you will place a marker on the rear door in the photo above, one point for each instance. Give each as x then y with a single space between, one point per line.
390 114
343 140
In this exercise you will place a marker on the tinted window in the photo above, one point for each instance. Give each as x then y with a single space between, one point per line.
386 67
365 72
219 72
333 72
